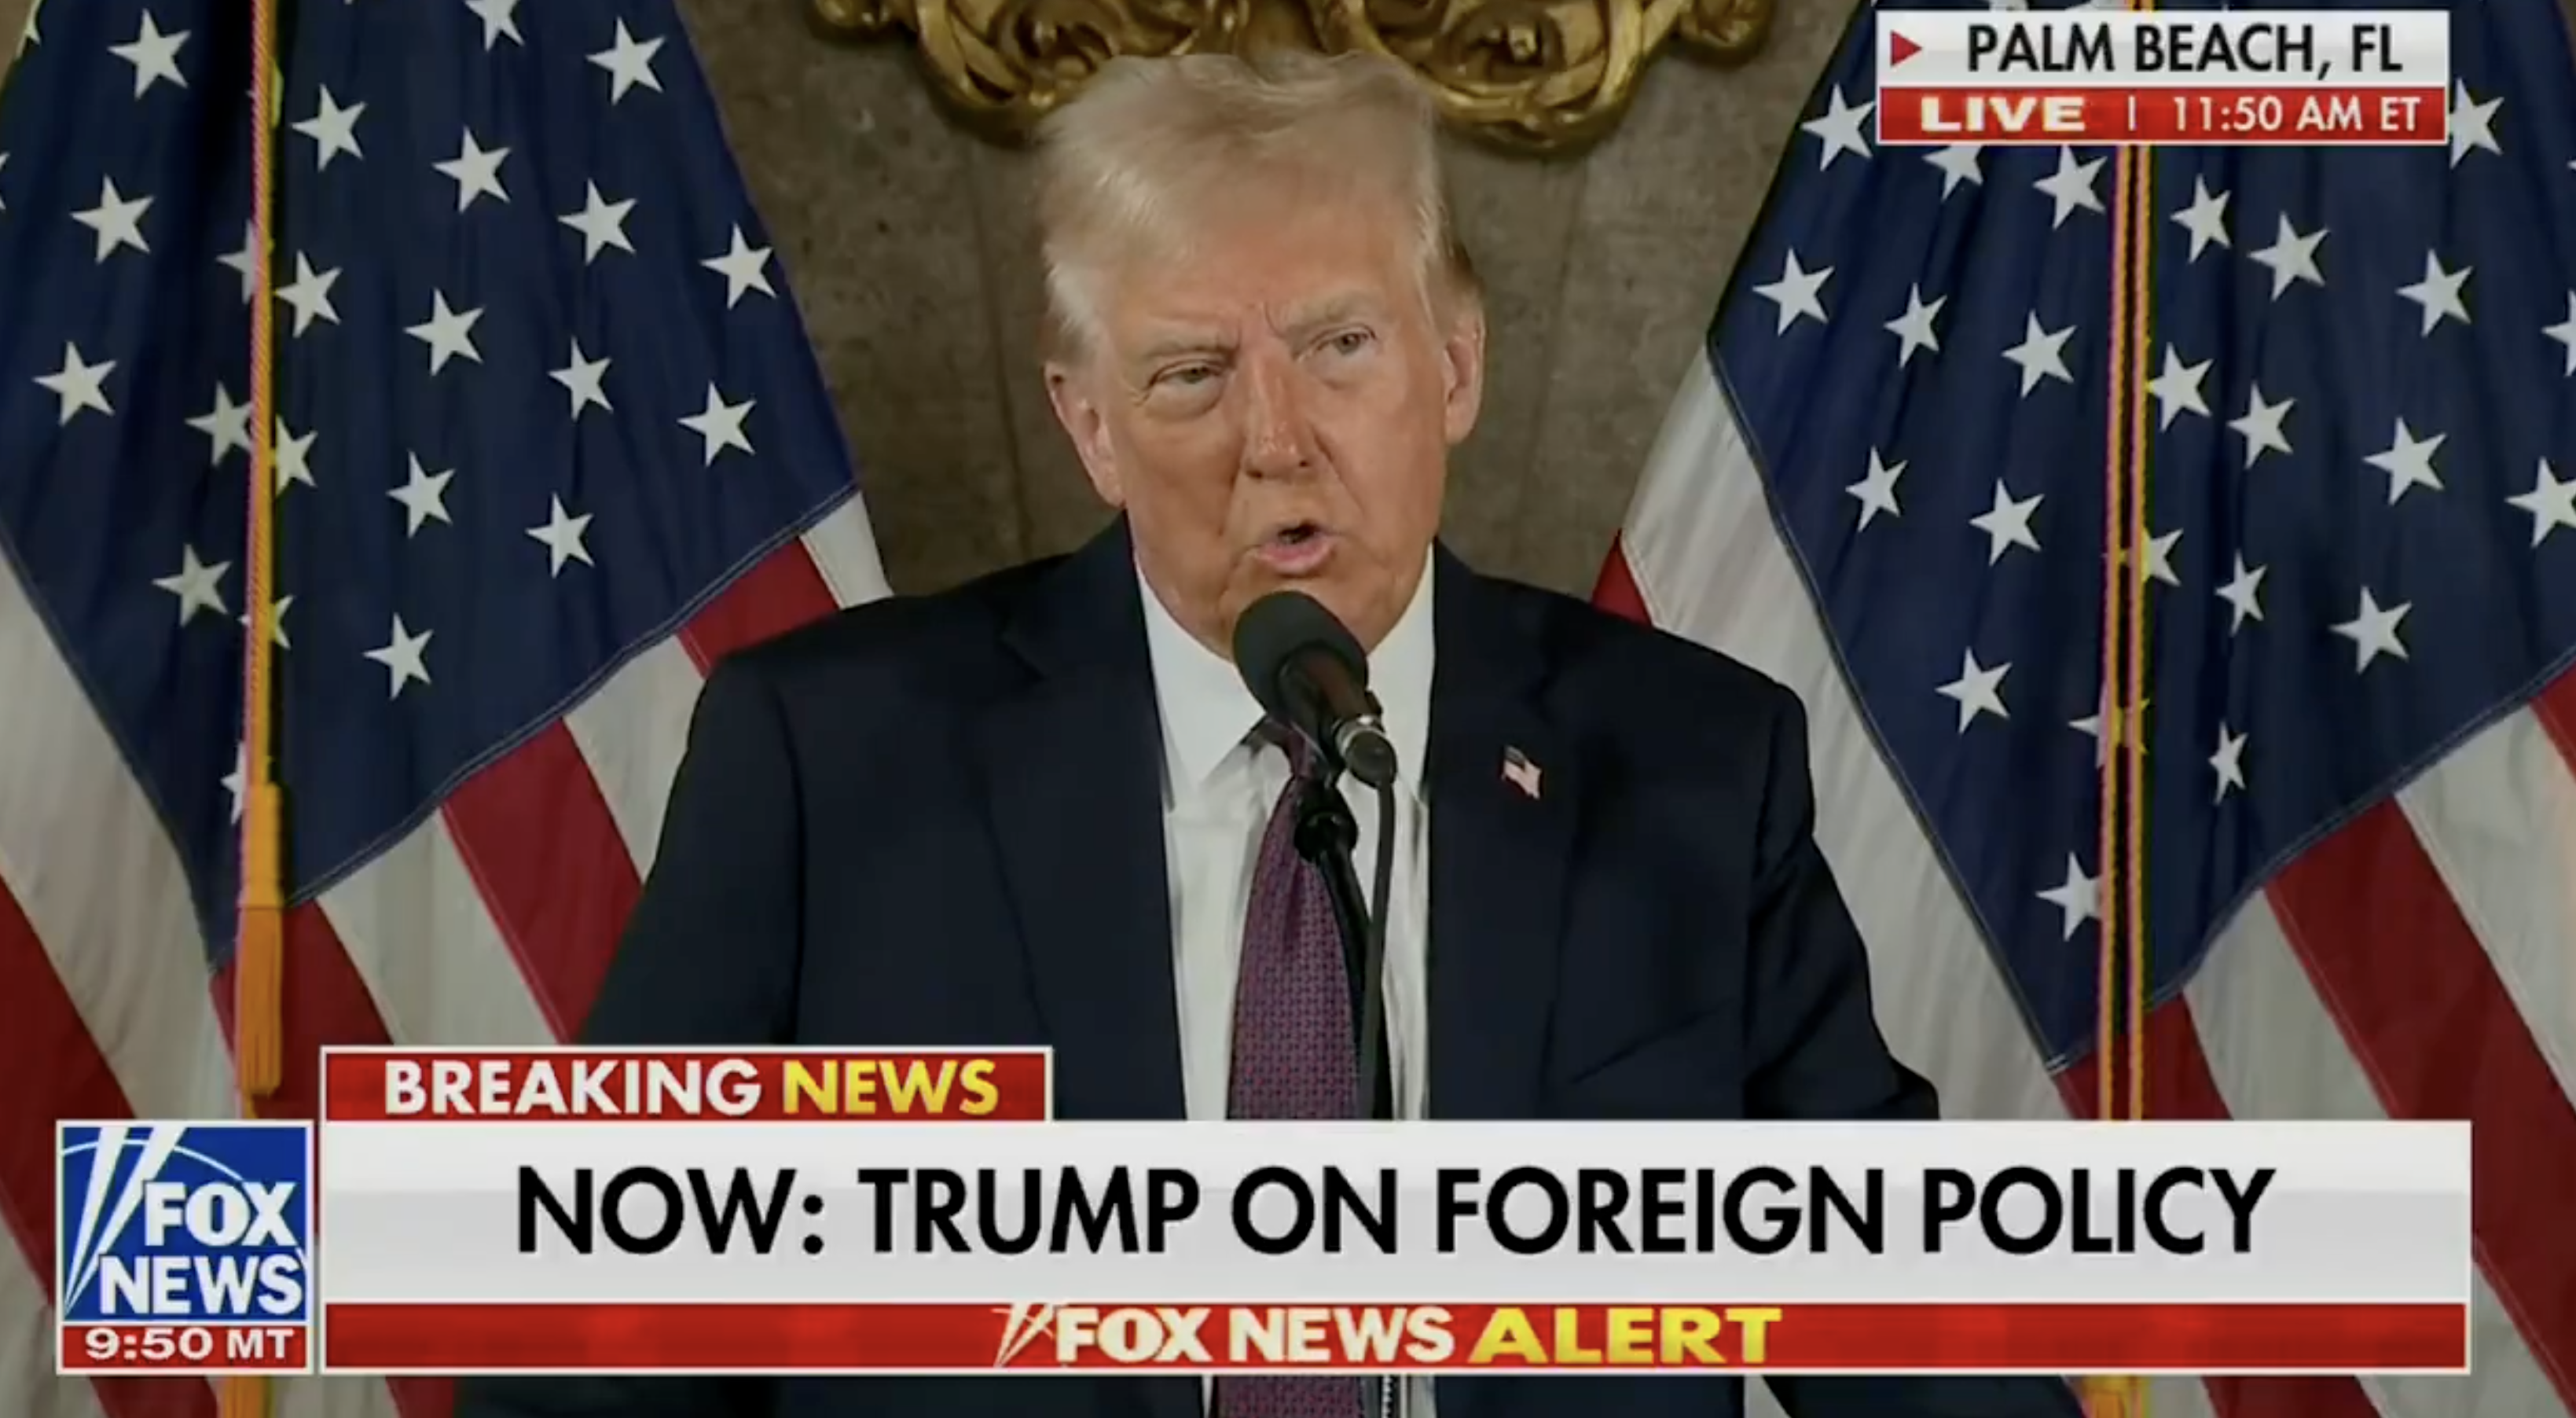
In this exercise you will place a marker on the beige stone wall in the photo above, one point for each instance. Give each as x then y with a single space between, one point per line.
910 249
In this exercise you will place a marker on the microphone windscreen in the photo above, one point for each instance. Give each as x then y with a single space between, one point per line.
1279 628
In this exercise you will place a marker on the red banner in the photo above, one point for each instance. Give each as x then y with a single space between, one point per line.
690 1085
2039 114
960 1338
229 1348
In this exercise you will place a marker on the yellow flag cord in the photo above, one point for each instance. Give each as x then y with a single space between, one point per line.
2120 1023
259 965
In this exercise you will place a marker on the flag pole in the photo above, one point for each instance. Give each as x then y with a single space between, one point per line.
2142 313
2106 1395
2121 838
2121 831
259 940
2114 710
2141 343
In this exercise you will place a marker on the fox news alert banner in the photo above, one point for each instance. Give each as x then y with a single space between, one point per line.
2095 78
572 1211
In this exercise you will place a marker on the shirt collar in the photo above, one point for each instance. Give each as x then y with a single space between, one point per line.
1207 711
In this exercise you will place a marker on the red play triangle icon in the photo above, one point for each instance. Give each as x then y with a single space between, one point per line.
1900 49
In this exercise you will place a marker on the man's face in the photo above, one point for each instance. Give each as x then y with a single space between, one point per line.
1275 409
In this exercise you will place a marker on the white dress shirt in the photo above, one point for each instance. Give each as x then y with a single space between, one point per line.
1218 791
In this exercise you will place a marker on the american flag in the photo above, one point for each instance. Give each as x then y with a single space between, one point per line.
1885 488
549 439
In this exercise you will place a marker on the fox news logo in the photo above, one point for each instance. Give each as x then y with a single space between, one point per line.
184 1223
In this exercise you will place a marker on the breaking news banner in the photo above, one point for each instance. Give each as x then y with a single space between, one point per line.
2360 78
867 1213
183 1248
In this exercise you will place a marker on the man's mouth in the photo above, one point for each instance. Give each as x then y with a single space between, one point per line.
1297 549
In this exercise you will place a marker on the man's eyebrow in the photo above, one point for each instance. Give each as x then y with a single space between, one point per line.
1164 347
1331 311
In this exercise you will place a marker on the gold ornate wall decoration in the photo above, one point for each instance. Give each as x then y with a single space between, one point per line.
1539 76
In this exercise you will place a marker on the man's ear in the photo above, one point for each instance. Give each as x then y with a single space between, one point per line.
1462 361
1077 408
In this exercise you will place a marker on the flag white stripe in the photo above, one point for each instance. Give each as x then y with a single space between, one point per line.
632 732
335 1398
2498 819
2178 1396
2274 1052
420 936
124 943
27 1382
1709 564
844 548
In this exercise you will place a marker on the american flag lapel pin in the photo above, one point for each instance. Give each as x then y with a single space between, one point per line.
1520 773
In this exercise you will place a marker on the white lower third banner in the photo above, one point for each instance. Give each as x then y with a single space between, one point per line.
505 1238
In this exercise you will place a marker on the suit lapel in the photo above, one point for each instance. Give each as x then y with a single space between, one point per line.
1503 789
1075 768
1074 772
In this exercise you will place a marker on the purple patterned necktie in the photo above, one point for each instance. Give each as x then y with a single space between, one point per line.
1294 1055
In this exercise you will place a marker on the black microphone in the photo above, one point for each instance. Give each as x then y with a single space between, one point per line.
1310 674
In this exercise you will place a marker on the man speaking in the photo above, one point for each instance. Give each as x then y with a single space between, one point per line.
1046 808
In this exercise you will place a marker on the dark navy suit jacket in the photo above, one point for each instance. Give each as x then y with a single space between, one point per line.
938 821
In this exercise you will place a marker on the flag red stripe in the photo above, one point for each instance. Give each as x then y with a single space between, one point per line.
782 592
1617 590
55 1071
2331 1396
548 859
2432 1026
2181 1087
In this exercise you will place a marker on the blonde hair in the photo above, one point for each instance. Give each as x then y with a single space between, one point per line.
1148 145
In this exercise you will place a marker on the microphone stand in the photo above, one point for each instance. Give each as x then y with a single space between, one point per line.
1328 836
